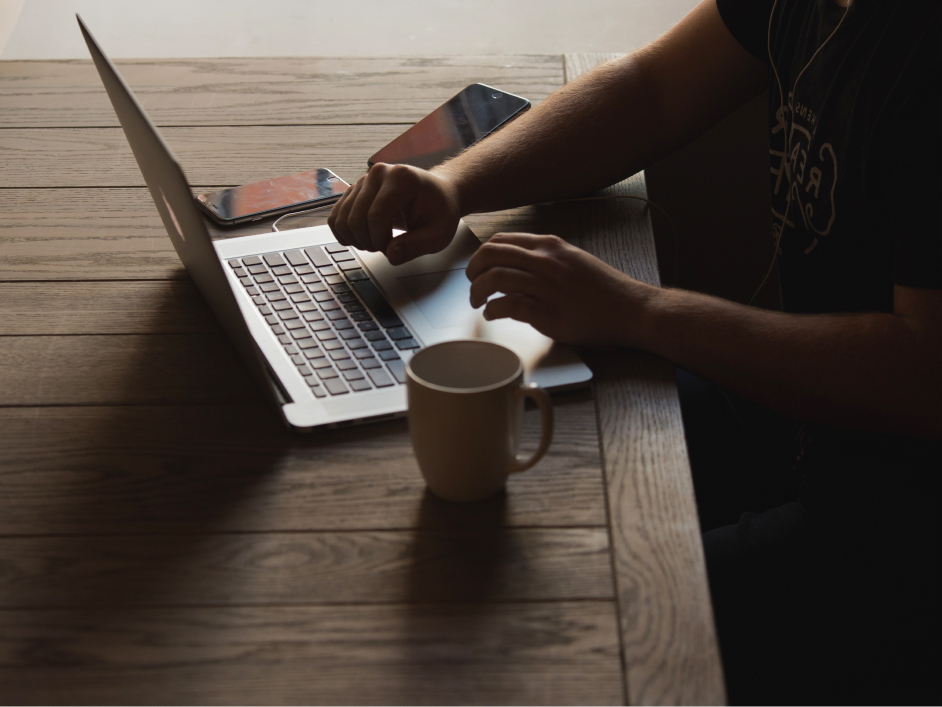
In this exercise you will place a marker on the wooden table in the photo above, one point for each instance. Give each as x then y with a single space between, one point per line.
163 539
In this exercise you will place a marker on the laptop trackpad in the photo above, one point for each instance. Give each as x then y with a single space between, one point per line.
442 297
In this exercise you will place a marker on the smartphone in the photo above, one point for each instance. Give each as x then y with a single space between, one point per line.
282 195
470 116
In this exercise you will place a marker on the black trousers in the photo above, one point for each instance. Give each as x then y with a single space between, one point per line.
807 611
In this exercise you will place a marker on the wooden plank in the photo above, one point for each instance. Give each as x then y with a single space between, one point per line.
558 653
369 567
668 636
200 469
101 157
102 233
266 91
59 308
122 370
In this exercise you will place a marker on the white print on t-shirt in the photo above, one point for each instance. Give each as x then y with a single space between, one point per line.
810 182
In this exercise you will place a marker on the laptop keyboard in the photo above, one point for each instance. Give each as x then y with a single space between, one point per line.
333 322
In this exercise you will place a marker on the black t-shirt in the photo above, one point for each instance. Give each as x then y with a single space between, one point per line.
864 159
864 173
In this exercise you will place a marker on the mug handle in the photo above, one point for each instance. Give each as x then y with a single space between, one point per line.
539 396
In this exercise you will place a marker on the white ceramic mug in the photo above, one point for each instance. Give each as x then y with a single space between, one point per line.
465 414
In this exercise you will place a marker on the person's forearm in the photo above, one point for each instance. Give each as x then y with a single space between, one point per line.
579 139
864 371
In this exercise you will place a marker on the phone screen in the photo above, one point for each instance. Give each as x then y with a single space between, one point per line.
274 195
464 120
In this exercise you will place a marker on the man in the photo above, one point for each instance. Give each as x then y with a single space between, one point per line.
813 432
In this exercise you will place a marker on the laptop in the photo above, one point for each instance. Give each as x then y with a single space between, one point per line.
326 330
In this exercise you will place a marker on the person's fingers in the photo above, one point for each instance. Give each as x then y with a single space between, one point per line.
503 254
358 218
339 215
429 238
530 241
508 281
519 307
397 189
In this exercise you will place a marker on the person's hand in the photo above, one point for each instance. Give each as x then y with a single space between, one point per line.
423 204
560 290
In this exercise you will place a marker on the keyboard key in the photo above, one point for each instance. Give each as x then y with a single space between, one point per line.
330 344
301 334
234 264
340 287
317 256
353 306
398 333
377 304
253 291
322 362
274 259
293 289
375 336
291 349
307 307
348 334
360 385
316 389
293 324
326 335
335 248
354 374
313 353
314 316
281 270
343 257
277 329
339 355
389 355
361 315
381 345
265 309
302 297
398 369
333 279
252 260
275 296
259 301
326 373
327 271
240 273
368 362
363 354
323 297
281 306
335 314
319 326
316 287
295 257
269 287
305 371
350 265
263 278
347 298
246 281
311 278
271 319
330 306
406 344
368 326
297 360
288 280
335 387
309 346
347 364
379 377
257 269
341 324
288 314
356 344
355 275
284 339
305 270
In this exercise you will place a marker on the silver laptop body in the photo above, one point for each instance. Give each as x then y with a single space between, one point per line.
327 331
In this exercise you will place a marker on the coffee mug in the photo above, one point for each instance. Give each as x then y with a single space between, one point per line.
465 414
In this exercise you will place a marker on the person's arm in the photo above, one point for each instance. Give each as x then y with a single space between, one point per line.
874 371
603 126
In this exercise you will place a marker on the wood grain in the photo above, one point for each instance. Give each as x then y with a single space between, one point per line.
233 468
361 567
523 653
276 91
667 631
